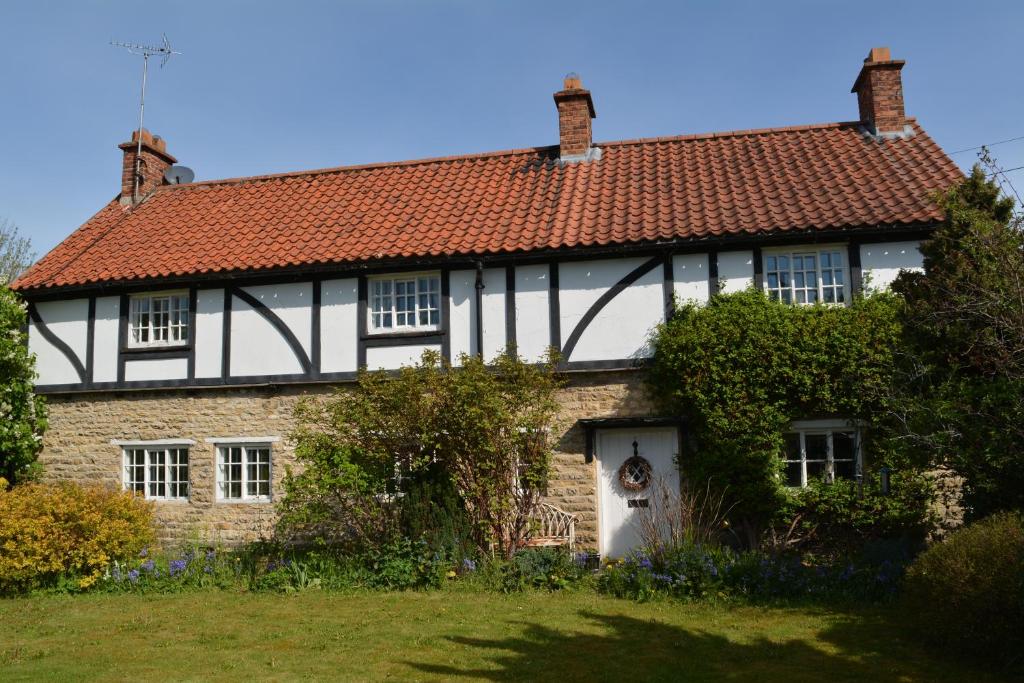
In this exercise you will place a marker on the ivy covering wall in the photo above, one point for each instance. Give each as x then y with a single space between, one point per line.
740 369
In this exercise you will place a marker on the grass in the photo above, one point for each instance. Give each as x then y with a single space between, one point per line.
445 635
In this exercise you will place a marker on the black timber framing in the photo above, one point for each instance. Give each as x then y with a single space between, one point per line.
510 306
663 253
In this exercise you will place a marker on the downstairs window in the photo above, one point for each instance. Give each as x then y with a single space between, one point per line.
243 472
820 451
157 473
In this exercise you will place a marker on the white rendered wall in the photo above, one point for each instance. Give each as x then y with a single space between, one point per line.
533 325
735 271
494 313
462 320
209 330
339 303
257 348
68 321
621 328
690 278
105 341
156 369
881 263
394 357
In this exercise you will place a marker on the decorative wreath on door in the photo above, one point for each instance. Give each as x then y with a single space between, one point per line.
635 473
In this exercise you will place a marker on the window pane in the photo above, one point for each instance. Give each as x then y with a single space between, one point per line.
791 446
845 469
842 445
815 469
770 263
817 446
791 474
157 474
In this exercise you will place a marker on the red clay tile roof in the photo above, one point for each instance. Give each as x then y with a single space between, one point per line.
823 177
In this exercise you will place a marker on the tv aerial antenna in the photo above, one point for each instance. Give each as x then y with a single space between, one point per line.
146 51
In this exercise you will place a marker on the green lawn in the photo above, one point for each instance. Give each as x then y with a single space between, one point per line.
445 635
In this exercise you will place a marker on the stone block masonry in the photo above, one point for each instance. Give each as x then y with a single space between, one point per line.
77 446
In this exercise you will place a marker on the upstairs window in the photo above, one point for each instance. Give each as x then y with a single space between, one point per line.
806 276
157 473
158 320
409 302
820 451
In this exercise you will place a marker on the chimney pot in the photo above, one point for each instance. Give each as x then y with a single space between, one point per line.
879 88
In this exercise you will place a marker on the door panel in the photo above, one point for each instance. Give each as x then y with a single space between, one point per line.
620 507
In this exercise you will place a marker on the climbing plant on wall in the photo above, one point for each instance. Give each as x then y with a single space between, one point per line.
742 367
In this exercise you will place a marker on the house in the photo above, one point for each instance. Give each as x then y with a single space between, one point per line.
176 328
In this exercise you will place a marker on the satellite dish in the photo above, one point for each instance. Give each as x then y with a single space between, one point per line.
179 175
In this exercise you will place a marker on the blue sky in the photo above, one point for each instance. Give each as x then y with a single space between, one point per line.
265 87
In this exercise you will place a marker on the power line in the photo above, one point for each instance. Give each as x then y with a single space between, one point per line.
990 144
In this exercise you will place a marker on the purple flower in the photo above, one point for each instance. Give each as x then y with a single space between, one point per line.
468 565
144 552
116 574
211 555
148 566
177 567
646 563
133 576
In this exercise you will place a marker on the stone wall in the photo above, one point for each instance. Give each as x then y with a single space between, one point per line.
77 446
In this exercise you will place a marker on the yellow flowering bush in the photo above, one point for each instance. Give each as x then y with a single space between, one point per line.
50 532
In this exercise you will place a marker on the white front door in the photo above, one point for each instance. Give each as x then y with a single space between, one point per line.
620 506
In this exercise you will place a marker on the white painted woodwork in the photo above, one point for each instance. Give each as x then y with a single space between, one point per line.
339 306
622 327
618 523
105 344
735 271
462 321
881 263
155 369
533 324
394 357
208 332
493 313
690 278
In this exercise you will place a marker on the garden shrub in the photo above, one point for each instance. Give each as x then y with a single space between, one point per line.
967 592
836 521
67 533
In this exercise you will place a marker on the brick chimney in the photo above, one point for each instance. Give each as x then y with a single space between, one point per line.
879 89
154 161
575 109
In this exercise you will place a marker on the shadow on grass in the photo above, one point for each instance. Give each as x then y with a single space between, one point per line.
629 649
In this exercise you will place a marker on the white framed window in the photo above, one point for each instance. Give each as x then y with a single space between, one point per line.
158 319
820 449
807 276
243 472
406 302
157 473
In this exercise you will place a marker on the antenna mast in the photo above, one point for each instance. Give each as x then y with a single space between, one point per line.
146 51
